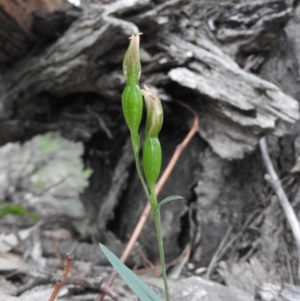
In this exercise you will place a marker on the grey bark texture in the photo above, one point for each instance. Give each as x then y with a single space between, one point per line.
240 106
285 292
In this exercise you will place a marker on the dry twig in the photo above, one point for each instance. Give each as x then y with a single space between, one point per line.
59 284
45 278
216 256
273 179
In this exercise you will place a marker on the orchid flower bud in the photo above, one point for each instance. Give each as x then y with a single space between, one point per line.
152 150
132 103
154 109
131 62
132 100
152 160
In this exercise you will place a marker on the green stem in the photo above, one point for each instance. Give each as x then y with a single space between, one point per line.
156 217
155 211
135 139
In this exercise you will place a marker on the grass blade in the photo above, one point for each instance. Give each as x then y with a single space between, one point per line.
140 288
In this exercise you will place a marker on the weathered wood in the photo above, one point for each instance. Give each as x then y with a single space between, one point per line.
228 192
250 27
239 107
16 21
272 292
119 182
75 63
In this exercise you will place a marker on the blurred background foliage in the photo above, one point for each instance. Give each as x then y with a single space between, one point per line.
42 177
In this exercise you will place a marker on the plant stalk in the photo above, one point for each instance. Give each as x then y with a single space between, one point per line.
135 139
155 211
156 217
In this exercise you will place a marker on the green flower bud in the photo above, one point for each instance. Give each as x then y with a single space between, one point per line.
152 160
131 62
154 113
132 103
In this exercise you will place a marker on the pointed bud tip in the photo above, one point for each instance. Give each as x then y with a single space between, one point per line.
147 92
135 35
154 112
131 62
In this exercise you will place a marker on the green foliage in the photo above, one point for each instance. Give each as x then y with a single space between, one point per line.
6 209
87 172
140 288
169 199
37 179
48 145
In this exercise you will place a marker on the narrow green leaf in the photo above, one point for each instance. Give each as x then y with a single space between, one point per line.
169 199
140 288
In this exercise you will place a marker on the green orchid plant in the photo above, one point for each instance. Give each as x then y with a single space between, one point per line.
132 105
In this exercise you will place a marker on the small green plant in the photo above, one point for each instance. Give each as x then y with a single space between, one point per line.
132 104
13 209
